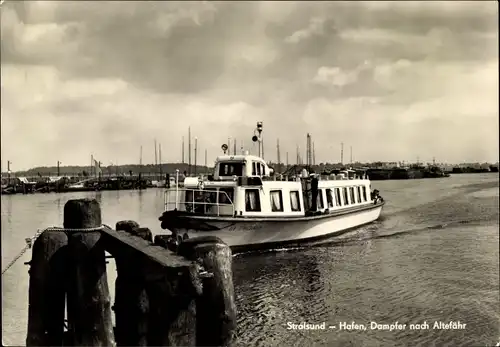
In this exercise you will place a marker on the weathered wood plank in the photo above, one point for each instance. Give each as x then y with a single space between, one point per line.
116 240
172 320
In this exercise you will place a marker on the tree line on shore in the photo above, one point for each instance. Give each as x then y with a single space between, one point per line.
135 169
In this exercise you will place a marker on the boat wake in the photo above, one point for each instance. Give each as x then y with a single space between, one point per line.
427 228
363 234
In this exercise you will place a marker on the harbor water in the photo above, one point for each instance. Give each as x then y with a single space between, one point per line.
432 257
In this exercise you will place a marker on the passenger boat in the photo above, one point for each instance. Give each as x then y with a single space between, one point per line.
249 207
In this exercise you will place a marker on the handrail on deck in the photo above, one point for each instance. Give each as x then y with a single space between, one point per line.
193 203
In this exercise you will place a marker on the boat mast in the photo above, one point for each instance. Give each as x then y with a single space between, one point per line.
308 150
140 160
195 154
314 155
183 151
156 159
258 139
189 150
159 160
341 153
278 154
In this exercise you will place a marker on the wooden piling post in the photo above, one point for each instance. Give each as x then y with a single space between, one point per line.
131 301
215 307
47 290
89 307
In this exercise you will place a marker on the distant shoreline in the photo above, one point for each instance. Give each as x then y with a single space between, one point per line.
172 167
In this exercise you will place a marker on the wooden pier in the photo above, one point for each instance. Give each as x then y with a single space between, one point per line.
180 296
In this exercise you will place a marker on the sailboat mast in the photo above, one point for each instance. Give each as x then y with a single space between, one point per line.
278 155
262 144
195 155
189 150
159 161
140 158
314 156
342 153
156 159
183 151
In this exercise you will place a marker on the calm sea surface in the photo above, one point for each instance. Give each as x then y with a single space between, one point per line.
433 256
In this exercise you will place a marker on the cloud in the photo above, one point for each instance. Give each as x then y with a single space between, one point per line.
316 27
335 76
107 77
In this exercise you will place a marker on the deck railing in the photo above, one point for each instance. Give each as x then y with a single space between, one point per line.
199 201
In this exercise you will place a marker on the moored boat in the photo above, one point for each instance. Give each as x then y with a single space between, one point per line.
250 207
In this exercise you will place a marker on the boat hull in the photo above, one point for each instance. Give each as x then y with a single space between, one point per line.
246 234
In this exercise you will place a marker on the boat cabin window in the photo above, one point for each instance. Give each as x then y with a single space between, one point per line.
359 194
346 196
231 169
320 204
276 201
252 200
364 194
224 194
329 197
351 191
295 201
338 198
258 169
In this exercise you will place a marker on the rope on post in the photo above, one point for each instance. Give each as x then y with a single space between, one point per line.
31 240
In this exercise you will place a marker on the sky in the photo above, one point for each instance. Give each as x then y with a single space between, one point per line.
395 81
